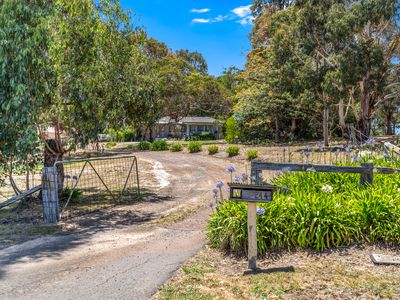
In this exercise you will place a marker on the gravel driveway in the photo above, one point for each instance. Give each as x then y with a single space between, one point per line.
120 260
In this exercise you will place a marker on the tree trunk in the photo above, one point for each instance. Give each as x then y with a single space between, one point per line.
325 122
364 121
54 152
388 122
342 122
293 128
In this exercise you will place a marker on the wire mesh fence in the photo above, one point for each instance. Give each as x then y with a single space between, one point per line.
88 185
28 211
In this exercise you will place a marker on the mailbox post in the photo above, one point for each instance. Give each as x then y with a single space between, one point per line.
252 194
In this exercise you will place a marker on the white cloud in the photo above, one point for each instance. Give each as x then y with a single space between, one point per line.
201 20
241 15
242 11
200 10
246 20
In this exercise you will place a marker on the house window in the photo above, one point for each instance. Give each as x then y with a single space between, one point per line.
200 128
193 128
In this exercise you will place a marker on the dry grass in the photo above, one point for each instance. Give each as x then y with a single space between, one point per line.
346 274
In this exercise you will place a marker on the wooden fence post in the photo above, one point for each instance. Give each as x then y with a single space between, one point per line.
367 177
252 234
50 195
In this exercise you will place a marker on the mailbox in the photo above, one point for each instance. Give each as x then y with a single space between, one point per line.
251 193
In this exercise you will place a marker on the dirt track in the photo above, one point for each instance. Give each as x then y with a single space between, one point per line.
124 258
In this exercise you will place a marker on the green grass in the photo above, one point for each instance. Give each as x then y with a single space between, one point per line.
109 145
312 216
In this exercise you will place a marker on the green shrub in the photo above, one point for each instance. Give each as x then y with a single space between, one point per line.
75 196
109 145
144 145
321 211
233 151
176 147
252 154
160 145
212 149
121 135
130 147
231 130
195 146
128 135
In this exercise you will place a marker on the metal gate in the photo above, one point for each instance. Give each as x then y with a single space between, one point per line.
87 185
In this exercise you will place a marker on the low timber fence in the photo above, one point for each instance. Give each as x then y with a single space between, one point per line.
366 170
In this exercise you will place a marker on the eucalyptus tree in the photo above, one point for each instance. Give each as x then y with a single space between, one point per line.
26 78
194 59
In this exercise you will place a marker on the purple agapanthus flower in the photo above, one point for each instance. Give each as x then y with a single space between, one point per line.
245 177
355 158
260 211
370 141
219 184
68 176
307 153
236 179
231 169
75 178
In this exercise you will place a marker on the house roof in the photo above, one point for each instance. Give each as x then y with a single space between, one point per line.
188 120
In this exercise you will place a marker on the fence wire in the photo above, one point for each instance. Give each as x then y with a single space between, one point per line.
93 184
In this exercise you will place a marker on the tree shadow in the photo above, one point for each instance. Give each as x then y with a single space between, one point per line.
289 269
54 245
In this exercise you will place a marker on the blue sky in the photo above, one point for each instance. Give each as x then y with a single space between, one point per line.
218 29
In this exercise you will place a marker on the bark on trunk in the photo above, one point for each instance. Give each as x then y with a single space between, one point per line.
388 122
364 121
53 153
325 125
342 122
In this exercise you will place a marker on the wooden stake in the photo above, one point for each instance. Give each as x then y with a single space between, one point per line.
252 234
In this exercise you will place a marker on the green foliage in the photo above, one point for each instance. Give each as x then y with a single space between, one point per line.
75 197
321 211
144 145
251 154
195 146
111 144
176 147
160 145
125 135
314 55
213 149
231 130
203 136
26 77
233 150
